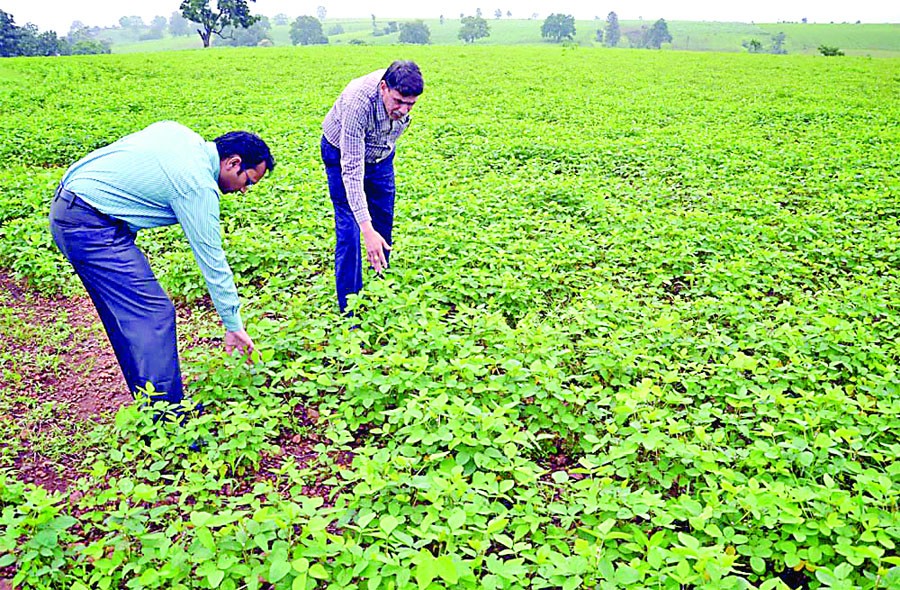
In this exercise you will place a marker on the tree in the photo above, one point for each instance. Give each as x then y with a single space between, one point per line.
613 32
508 14
599 36
33 42
281 19
498 14
250 36
478 12
416 32
90 47
656 35
307 30
558 27
132 23
232 13
9 35
442 19
829 51
321 12
473 28
178 25
157 29
778 44
753 46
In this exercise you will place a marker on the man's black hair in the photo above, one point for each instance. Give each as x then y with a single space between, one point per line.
249 146
404 77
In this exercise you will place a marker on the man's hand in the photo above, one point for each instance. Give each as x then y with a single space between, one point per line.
238 340
375 247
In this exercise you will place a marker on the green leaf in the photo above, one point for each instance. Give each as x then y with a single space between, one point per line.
278 569
199 519
457 519
758 564
688 541
301 565
215 577
388 523
426 570
206 539
318 571
446 569
497 524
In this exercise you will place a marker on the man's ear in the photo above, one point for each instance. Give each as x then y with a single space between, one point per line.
233 161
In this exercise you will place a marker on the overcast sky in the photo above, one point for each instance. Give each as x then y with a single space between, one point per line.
59 14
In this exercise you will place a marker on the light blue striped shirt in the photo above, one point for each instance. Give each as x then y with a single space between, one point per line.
163 175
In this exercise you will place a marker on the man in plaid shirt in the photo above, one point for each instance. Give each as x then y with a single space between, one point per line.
358 138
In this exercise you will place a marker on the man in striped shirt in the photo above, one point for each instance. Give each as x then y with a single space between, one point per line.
162 175
358 138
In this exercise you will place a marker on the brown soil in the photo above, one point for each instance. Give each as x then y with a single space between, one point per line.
83 383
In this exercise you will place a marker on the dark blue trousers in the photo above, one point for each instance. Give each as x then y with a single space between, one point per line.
138 316
378 184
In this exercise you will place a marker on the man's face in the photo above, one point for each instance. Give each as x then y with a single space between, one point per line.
232 179
396 105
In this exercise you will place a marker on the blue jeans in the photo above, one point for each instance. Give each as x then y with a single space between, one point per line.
378 184
138 316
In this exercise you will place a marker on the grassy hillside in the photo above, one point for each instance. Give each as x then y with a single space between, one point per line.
877 40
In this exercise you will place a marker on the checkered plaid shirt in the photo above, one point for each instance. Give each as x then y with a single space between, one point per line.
359 125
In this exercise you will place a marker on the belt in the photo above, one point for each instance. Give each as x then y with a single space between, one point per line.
72 199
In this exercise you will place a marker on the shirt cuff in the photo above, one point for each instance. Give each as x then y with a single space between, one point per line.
233 323
362 216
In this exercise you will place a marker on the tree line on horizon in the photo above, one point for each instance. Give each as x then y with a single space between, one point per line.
234 25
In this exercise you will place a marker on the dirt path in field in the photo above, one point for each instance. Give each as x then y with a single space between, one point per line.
57 371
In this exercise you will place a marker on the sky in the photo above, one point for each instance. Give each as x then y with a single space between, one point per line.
58 15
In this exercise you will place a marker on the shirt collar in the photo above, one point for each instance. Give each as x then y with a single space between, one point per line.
213 154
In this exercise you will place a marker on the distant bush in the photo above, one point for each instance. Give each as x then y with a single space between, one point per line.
830 51
307 30
416 32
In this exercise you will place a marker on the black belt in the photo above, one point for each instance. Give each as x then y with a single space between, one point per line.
72 199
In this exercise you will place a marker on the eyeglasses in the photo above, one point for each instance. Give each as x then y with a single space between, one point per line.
250 182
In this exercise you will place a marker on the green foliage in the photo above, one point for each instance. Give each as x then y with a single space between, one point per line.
473 28
828 51
558 26
29 41
753 46
612 32
656 35
415 32
778 44
250 36
231 13
307 30
639 330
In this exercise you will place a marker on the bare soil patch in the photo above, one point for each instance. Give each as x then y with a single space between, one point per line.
59 373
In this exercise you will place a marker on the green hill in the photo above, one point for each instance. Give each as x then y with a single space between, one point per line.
876 40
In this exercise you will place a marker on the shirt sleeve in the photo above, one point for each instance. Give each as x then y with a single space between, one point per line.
198 215
353 153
